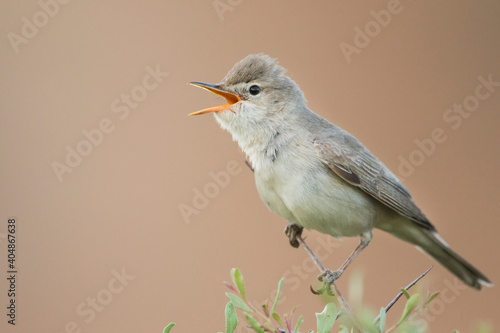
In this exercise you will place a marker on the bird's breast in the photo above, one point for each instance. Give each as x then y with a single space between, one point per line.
304 191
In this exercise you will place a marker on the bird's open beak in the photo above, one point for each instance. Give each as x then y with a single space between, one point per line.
214 88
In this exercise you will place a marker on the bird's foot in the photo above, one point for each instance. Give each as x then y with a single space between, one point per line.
292 231
329 276
326 289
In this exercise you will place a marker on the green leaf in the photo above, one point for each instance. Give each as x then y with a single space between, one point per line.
405 292
326 318
276 300
278 319
238 302
431 298
255 325
382 320
299 323
343 329
483 328
411 304
231 318
168 328
265 308
238 282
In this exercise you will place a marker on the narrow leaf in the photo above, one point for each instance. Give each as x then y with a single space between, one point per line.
431 298
231 318
255 325
265 308
238 302
405 292
278 319
168 328
238 282
299 323
276 300
230 286
292 312
382 320
326 318
411 304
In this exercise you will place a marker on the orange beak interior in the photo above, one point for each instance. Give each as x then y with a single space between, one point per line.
213 88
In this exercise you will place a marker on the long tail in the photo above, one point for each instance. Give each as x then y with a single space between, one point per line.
431 243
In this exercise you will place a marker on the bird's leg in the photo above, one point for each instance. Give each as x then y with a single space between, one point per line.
293 231
314 257
298 238
329 276
327 287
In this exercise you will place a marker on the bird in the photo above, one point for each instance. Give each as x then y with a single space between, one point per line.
316 175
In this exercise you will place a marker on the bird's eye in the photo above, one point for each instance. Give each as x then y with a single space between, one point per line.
254 90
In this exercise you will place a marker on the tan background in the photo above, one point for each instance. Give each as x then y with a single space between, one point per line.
119 209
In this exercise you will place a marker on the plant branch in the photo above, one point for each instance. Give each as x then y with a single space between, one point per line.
398 296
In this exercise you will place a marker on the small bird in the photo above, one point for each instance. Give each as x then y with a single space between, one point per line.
315 174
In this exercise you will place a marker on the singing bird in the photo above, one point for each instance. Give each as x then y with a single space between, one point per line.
315 174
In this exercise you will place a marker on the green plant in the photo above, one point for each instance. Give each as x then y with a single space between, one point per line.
267 319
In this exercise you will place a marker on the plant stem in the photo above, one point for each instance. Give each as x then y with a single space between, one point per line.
398 296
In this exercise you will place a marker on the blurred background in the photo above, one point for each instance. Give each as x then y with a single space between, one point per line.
130 214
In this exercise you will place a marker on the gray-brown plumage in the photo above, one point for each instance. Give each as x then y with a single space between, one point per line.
313 173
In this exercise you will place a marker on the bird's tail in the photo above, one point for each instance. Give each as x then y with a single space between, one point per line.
432 244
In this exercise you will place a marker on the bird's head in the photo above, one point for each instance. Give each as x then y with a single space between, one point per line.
257 92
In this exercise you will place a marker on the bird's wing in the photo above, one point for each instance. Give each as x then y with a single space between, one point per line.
357 166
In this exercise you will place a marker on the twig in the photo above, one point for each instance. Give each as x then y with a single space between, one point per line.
343 303
398 296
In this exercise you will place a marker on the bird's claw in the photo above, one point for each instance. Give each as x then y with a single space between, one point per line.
329 276
292 231
326 289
